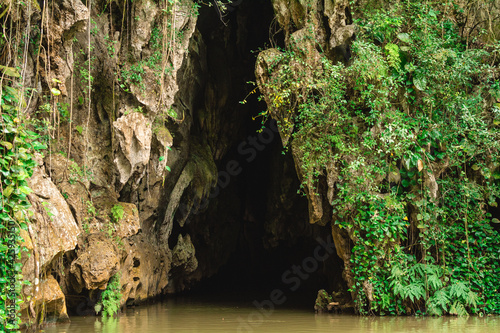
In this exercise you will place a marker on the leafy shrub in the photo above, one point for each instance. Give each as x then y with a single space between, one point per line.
407 133
110 298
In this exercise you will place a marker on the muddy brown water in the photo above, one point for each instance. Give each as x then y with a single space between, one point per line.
187 315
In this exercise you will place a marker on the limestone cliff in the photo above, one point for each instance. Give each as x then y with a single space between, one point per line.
158 167
150 169
318 36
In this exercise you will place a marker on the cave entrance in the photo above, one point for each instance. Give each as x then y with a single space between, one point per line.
254 236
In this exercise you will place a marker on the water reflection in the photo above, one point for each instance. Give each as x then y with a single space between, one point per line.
202 317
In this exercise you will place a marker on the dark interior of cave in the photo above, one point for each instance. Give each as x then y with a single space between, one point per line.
495 214
258 223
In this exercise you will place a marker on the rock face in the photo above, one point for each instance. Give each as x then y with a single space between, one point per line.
333 34
144 270
96 263
311 26
183 259
70 16
130 154
134 135
156 171
54 228
52 232
51 299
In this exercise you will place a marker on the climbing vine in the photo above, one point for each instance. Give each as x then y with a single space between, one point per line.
407 133
17 146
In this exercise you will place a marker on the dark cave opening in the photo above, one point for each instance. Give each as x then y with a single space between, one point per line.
275 247
495 216
254 236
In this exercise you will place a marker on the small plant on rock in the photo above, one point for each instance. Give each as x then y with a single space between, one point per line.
110 298
117 213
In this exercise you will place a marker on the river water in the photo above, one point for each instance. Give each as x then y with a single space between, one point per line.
202 315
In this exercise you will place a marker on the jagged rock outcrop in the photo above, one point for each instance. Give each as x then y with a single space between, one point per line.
294 15
68 17
333 34
97 261
315 29
184 254
54 227
147 107
134 134
50 300
108 244
300 41
117 139
52 232
144 269
150 127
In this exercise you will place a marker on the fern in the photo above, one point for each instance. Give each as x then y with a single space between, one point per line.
462 296
425 282
438 303
393 58
433 309
110 298
472 299
414 291
434 282
459 290
396 271
398 288
418 271
458 309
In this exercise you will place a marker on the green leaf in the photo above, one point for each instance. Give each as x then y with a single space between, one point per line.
404 37
420 83
38 146
25 189
8 191
167 168
10 71
6 144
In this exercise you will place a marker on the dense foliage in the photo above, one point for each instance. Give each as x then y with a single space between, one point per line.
407 131
17 145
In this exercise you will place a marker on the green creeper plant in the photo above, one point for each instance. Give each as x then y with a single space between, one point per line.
406 133
17 147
